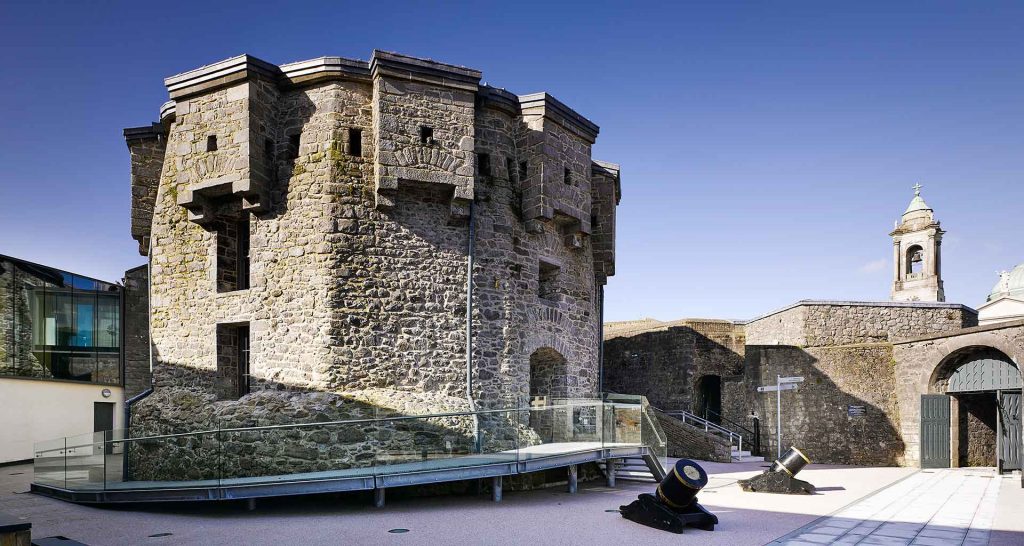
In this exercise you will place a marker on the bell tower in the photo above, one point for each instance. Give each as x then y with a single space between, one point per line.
917 258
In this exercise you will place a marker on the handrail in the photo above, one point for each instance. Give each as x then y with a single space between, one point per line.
730 421
348 422
708 426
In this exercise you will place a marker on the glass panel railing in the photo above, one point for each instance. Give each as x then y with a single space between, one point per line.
380 443
189 460
85 461
307 451
48 463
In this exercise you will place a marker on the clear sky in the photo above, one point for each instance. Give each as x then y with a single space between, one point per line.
766 147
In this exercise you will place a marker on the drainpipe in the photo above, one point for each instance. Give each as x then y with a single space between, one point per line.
600 342
469 328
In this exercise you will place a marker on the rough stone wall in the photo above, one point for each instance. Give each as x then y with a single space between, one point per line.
918 358
666 364
689 442
839 323
137 376
816 417
147 146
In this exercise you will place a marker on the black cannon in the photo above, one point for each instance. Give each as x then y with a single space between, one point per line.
674 504
781 476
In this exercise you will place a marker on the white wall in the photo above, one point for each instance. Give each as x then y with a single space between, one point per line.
33 411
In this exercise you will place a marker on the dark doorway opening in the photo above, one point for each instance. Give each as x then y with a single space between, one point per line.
708 403
976 429
103 422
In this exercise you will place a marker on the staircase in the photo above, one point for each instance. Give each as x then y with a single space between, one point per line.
736 439
639 469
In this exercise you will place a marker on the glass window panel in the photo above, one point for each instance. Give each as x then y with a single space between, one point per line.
85 319
108 370
108 321
6 309
83 366
63 320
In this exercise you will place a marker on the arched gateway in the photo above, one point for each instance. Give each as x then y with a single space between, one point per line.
971 415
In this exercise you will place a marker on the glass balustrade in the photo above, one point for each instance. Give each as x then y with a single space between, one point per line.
383 443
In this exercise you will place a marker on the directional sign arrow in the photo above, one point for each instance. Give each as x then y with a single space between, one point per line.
782 387
794 379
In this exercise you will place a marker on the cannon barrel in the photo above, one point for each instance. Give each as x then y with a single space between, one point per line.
791 462
679 488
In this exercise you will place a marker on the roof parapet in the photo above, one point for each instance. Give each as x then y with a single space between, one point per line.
543 104
218 74
396 65
325 68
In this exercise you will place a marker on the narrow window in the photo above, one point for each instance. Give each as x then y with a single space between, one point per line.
522 170
243 254
355 142
233 256
509 167
483 164
547 285
568 176
293 147
211 143
232 361
426 135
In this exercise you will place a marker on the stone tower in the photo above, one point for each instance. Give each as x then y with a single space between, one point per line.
917 259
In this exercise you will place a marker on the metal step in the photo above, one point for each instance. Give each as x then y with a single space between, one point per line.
644 469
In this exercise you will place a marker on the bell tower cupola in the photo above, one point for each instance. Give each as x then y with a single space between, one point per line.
917 257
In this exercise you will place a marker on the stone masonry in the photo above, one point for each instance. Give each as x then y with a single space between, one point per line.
356 190
848 410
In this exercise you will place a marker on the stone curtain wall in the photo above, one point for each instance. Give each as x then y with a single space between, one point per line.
816 417
814 324
137 376
666 365
147 147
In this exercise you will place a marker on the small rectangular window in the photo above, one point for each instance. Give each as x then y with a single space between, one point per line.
355 142
243 254
426 135
483 164
522 170
211 143
547 285
268 150
509 167
568 176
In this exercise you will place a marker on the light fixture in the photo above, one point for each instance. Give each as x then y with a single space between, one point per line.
106 393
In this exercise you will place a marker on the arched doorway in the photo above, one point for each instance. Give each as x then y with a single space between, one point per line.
972 416
708 400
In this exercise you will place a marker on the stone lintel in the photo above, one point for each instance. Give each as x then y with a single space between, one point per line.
404 67
543 104
219 74
323 69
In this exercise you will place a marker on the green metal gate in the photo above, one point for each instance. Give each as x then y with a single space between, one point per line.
934 431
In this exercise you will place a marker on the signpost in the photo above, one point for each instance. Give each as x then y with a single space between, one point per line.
781 384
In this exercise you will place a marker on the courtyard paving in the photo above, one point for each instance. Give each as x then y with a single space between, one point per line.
888 503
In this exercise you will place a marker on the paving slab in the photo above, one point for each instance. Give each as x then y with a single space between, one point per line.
548 516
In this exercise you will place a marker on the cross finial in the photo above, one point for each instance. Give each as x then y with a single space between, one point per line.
917 189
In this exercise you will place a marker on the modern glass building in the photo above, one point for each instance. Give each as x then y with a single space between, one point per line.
56 325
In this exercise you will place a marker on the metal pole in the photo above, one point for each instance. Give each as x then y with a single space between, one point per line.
778 417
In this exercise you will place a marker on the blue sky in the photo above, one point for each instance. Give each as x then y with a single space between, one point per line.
766 147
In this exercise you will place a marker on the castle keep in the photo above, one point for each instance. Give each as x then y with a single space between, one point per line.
327 225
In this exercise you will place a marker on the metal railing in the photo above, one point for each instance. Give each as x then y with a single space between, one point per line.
752 437
735 439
